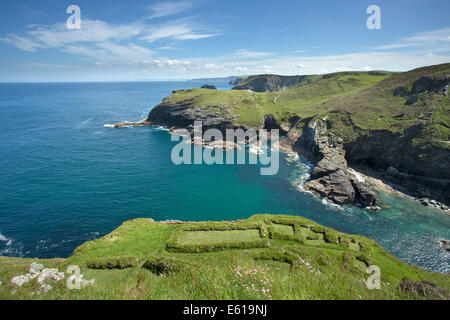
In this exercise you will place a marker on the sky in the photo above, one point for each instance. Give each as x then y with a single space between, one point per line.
137 40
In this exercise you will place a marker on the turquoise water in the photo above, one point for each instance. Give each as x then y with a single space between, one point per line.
65 178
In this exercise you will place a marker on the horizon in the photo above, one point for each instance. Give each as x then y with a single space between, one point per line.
224 78
182 40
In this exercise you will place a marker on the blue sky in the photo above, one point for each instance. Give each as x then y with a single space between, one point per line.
152 40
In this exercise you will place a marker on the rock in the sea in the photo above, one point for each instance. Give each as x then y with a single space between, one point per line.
445 244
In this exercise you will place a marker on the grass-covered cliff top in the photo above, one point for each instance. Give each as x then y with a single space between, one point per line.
264 257
353 102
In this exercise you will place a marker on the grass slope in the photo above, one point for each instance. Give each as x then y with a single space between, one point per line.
353 102
264 257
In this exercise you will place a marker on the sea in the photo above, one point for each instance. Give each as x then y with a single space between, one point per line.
67 177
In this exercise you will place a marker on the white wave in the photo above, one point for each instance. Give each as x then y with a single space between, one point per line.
256 150
162 128
3 238
331 204
108 125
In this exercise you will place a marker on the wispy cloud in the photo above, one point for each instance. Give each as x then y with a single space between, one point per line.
164 9
433 37
93 31
177 31
244 53
103 41
21 42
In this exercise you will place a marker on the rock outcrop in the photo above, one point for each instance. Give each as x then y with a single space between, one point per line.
210 87
423 85
182 115
331 177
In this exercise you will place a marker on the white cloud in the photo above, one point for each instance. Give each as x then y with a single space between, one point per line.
433 37
244 53
340 69
130 52
21 42
58 35
164 9
181 31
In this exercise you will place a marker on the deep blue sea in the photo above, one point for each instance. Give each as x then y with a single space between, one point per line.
66 179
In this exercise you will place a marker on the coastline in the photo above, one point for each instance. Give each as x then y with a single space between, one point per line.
374 179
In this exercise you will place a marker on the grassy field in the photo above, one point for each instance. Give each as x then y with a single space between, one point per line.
299 259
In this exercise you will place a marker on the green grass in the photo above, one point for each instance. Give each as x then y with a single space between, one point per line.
283 229
143 266
222 237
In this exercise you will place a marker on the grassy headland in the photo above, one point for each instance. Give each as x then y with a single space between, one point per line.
264 257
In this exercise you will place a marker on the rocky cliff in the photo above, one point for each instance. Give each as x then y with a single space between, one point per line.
270 82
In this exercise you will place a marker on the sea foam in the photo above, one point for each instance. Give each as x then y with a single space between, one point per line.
3 238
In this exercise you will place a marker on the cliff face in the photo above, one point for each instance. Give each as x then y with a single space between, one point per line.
270 82
182 115
330 177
